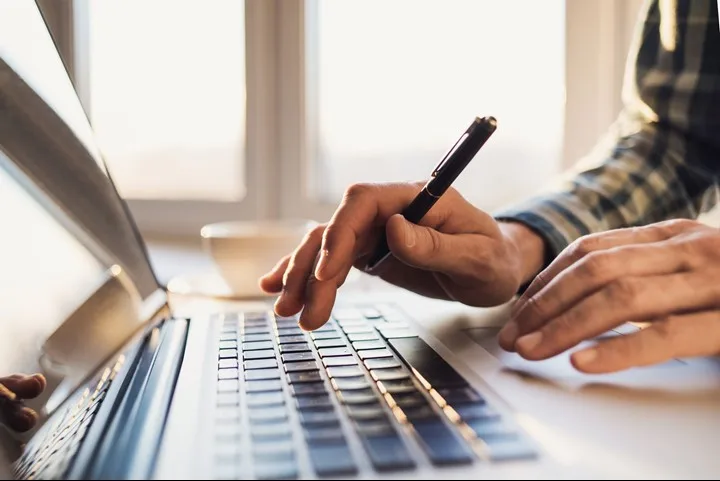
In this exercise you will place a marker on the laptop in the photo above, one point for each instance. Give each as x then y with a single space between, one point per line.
392 386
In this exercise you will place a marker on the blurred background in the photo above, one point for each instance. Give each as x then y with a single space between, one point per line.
215 110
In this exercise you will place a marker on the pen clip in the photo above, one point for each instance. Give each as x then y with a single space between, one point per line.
450 153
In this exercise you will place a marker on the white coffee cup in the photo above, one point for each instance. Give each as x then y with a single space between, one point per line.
243 251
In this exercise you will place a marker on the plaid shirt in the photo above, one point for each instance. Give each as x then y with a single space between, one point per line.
661 158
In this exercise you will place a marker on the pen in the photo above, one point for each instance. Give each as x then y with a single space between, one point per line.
449 168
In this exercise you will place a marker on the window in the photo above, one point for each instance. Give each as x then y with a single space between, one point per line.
211 111
394 91
167 96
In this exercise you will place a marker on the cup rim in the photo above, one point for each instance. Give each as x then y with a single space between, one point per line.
258 229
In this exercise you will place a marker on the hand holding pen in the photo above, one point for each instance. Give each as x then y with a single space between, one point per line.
445 248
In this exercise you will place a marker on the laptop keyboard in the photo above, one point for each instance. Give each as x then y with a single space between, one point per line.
293 396
52 450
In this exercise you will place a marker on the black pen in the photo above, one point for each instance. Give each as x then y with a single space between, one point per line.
441 179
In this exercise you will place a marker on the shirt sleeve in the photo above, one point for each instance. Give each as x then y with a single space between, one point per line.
661 158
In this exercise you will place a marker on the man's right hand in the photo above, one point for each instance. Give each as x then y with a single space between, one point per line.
457 252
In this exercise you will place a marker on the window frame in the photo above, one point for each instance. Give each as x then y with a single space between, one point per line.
281 121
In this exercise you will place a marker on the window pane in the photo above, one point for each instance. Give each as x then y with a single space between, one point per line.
167 96
396 82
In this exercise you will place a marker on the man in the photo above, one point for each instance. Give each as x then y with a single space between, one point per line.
596 246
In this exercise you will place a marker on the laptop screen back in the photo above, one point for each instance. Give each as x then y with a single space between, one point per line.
64 230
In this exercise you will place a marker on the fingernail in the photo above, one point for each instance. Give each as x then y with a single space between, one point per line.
409 235
586 356
322 263
508 333
530 341
6 393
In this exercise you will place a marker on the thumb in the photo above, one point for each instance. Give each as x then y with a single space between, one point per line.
429 249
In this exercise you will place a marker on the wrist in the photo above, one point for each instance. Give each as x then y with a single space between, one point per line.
530 247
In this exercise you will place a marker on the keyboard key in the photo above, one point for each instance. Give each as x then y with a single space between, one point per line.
263 354
328 326
360 396
228 399
476 411
382 363
388 452
299 347
269 431
260 329
256 337
357 329
301 366
263 386
260 364
360 345
228 373
374 354
362 336
298 356
332 460
230 432
267 414
397 333
228 385
392 374
289 331
436 371
350 383
229 336
371 313
406 400
311 403
318 335
228 345
308 388
374 427
305 376
263 399
319 435
352 323
441 445
509 449
274 450
321 343
227 414
319 417
346 314
340 361
256 346
460 396
291 339
261 374
419 413
345 371
366 412
334 351
487 429
228 354
227 363
399 386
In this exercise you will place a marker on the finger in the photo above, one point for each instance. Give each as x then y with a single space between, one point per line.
25 387
299 268
363 206
588 275
626 300
461 256
596 242
320 299
18 417
272 282
675 337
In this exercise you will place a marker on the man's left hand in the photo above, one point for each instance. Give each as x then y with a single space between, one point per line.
667 274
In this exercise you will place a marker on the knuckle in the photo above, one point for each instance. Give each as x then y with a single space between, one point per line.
315 234
584 246
594 265
675 226
358 190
